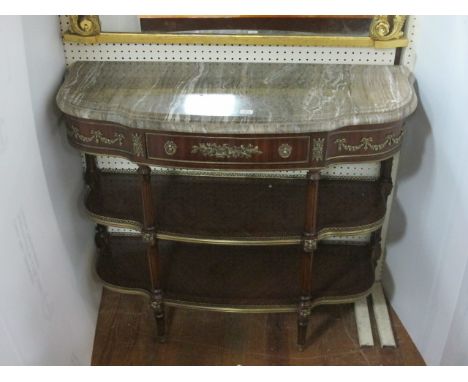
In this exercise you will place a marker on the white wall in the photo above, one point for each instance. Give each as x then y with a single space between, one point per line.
120 23
427 275
48 301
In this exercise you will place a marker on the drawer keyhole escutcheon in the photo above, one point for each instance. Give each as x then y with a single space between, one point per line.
170 147
284 150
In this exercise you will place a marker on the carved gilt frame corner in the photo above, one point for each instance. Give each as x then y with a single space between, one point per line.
385 32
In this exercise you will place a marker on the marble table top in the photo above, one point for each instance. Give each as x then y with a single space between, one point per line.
237 98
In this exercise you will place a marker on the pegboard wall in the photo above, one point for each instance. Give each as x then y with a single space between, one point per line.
364 171
408 56
223 53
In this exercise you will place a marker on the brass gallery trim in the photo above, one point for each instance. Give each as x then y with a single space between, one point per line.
259 241
80 147
228 163
300 174
238 308
292 240
222 172
143 38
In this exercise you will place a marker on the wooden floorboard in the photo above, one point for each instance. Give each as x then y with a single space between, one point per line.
125 335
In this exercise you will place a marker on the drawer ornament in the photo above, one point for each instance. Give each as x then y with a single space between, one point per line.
137 145
170 148
368 143
317 149
225 151
284 150
96 137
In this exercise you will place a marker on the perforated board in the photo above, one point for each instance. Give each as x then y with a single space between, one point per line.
408 56
223 53
367 171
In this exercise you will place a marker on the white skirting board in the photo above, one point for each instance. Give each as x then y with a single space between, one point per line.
363 323
382 319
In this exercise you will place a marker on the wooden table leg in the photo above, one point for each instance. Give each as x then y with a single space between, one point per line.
386 177
91 175
152 251
101 239
310 245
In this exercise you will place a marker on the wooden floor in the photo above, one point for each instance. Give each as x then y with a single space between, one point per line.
125 336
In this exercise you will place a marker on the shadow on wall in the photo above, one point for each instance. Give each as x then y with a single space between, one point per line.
417 133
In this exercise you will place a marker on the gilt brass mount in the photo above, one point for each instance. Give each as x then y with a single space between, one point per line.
170 148
384 32
95 136
85 25
284 151
225 151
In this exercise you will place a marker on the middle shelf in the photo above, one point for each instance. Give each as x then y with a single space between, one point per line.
232 210
237 277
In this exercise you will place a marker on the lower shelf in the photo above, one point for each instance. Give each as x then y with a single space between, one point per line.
238 278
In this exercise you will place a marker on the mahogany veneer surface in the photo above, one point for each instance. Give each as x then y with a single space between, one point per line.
236 208
238 275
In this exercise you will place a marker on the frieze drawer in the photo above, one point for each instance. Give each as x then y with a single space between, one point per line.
219 150
283 151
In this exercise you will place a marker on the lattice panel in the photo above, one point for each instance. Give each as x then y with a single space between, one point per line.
408 57
223 53
368 171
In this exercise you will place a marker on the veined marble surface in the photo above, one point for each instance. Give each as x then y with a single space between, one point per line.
249 98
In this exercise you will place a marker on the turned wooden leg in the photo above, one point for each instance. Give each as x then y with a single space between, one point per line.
152 251
157 301
157 305
310 244
303 322
386 177
376 247
305 304
91 175
101 238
